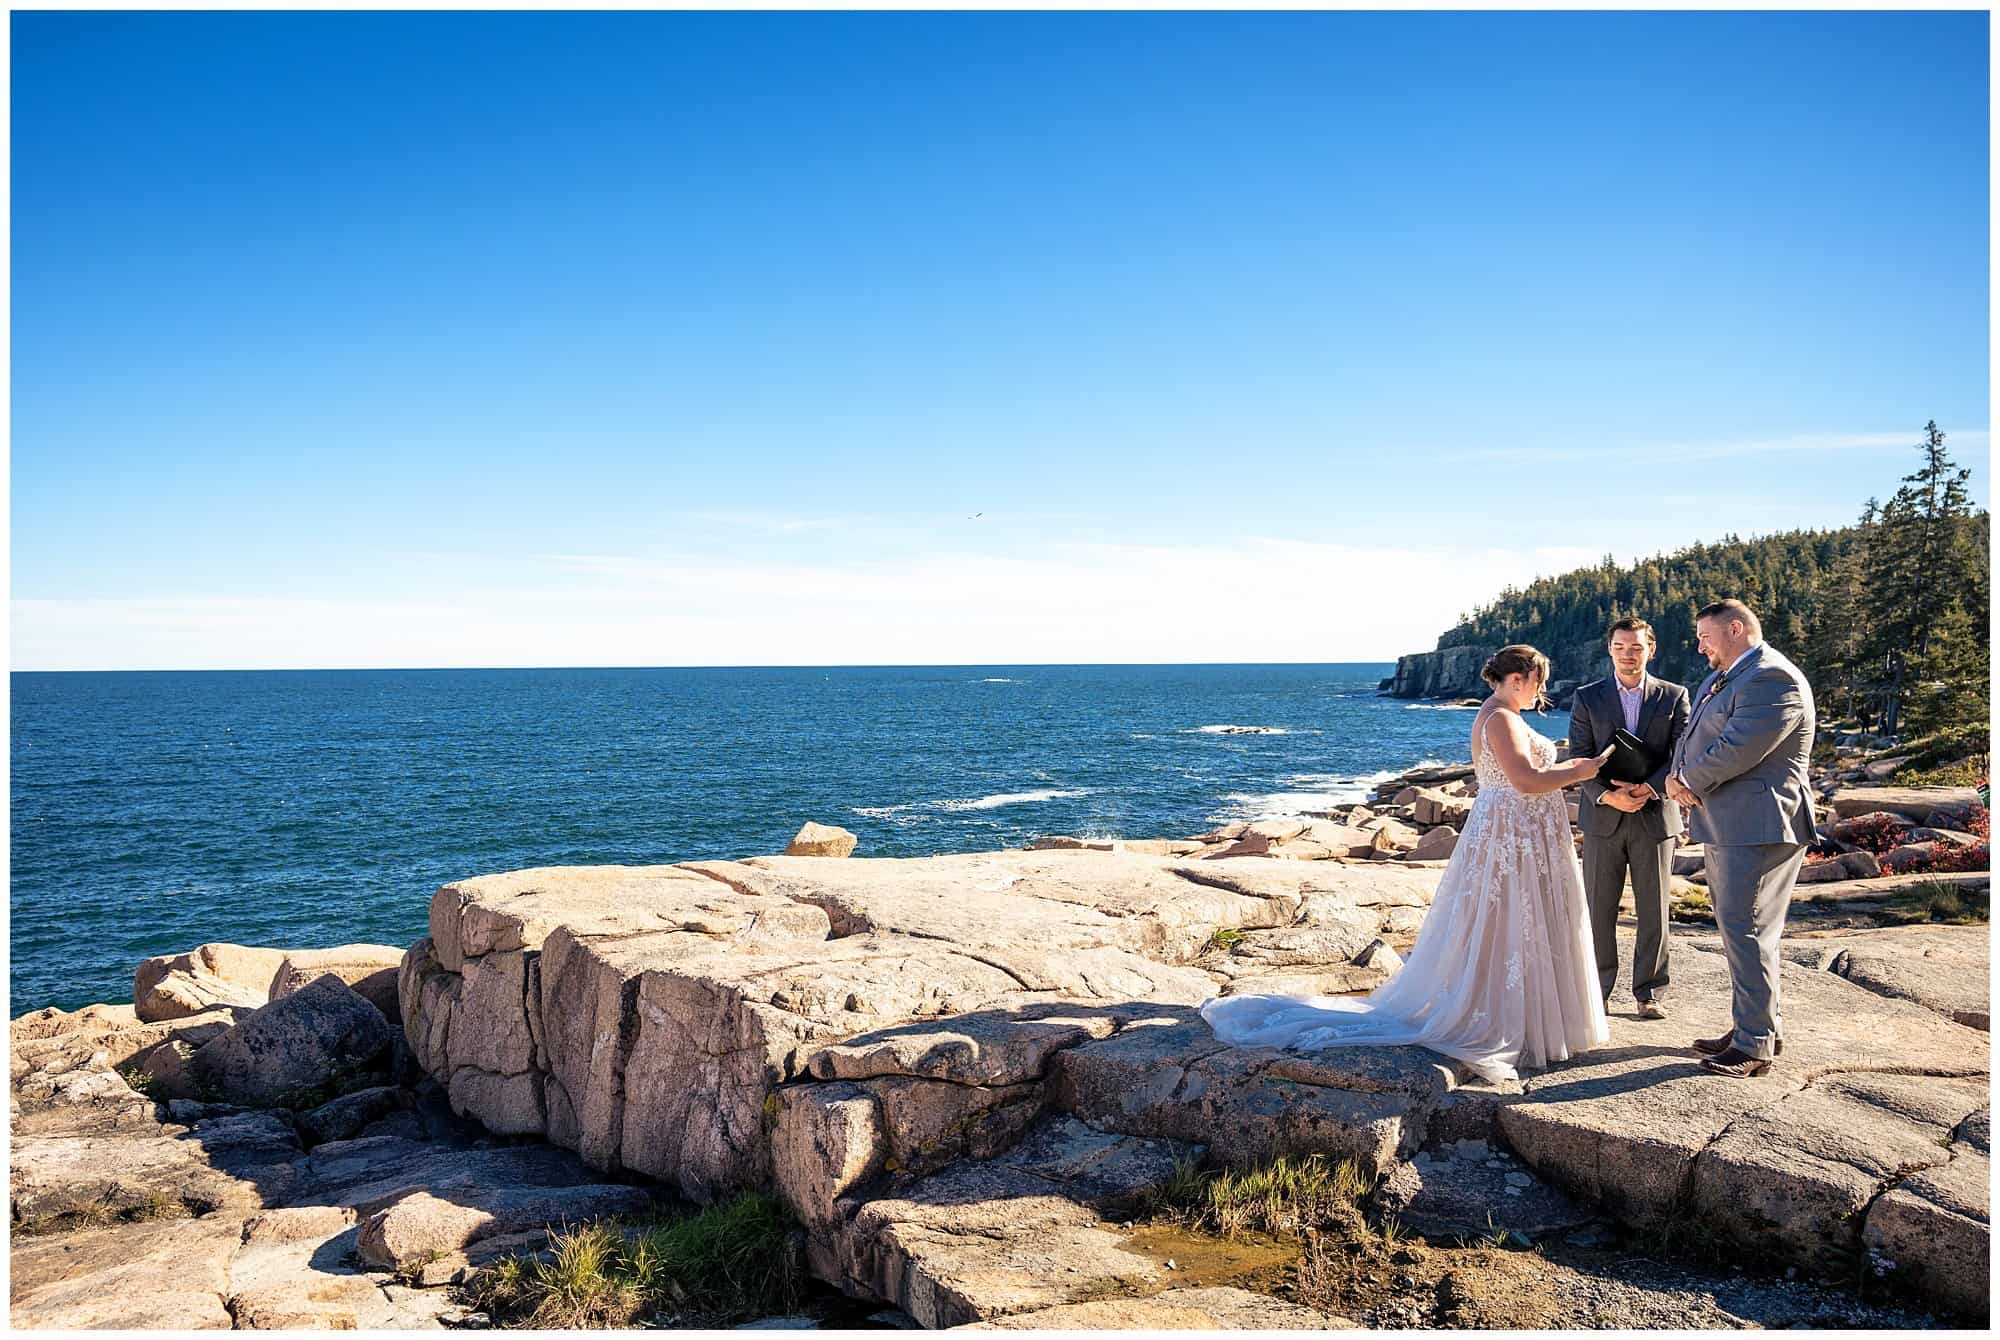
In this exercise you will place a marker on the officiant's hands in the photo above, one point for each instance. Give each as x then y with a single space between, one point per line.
1618 798
1677 791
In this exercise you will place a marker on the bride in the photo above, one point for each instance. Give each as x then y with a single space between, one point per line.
1502 974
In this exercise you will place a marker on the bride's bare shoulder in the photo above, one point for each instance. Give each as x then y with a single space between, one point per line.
1482 727
1512 732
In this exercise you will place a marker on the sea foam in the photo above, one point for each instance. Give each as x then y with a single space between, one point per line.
916 809
1008 798
1315 791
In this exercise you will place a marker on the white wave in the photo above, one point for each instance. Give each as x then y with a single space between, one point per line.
918 810
880 811
1281 804
1311 791
1008 798
1137 736
1441 707
1237 730
996 681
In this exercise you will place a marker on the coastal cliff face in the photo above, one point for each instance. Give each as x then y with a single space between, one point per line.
1453 672
1450 673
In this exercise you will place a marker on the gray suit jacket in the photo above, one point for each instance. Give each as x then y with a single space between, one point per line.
1746 752
1594 713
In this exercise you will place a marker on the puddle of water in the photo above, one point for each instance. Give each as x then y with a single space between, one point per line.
1200 1260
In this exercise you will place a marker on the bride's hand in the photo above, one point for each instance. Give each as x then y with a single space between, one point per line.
1592 766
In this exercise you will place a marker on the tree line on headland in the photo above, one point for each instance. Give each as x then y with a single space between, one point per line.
1888 617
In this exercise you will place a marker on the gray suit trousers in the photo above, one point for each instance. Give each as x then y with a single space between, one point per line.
1651 861
1751 887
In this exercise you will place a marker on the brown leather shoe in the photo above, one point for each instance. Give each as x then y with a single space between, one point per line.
1716 1046
1736 1064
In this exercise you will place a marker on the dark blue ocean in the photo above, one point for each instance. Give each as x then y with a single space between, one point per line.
154 811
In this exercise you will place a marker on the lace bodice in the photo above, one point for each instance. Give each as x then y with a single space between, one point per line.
1492 777
1506 817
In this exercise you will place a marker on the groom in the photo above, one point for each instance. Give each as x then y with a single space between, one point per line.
1629 827
1741 773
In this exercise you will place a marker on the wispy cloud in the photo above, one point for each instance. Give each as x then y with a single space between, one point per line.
1680 453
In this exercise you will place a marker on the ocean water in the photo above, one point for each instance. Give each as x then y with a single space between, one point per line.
154 811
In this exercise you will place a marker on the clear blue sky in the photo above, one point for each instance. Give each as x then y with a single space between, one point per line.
655 338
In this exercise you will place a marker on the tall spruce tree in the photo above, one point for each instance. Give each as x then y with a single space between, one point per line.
1920 561
1947 692
1833 640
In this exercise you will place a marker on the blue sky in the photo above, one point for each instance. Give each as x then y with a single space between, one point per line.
404 339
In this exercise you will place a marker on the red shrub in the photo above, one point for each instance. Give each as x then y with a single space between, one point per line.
1945 859
1878 833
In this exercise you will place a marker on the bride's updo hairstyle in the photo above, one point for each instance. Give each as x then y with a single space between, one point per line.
1519 659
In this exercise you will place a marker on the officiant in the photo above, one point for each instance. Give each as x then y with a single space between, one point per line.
1629 824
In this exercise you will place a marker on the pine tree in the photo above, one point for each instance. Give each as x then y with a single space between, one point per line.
1920 562
1948 685
1833 640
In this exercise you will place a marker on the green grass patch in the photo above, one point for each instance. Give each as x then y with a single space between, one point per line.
727 1263
1692 904
143 1082
1962 746
1938 900
1964 772
1284 1196
110 1208
1224 940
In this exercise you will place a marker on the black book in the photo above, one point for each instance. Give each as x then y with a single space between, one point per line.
1630 760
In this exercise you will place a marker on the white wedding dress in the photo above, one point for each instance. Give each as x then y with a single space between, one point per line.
1502 974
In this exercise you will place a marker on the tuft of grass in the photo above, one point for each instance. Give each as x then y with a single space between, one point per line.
1692 904
1224 940
411 1272
1498 1238
107 1209
143 1082
156 1204
727 1263
1679 1234
1947 752
1938 900
1963 772
738 1254
1284 1196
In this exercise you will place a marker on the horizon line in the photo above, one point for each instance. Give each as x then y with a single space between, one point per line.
785 665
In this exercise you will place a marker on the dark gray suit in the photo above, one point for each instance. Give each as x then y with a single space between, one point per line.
1746 754
1642 841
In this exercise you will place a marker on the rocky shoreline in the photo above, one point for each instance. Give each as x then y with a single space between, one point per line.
966 1077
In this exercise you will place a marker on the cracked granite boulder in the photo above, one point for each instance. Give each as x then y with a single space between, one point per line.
1031 1229
646 1016
1932 1230
1851 1134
